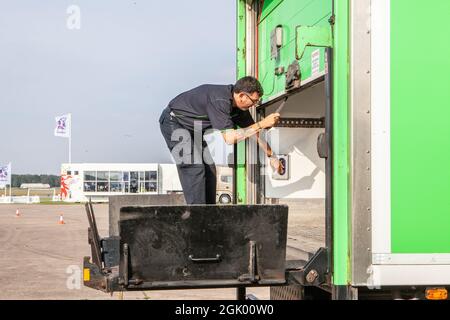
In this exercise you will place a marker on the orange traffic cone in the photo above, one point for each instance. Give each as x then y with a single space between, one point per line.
61 219
17 213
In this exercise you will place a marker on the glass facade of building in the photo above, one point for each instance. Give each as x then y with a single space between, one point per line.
120 181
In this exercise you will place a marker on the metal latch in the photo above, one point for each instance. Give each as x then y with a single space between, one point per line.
253 275
293 76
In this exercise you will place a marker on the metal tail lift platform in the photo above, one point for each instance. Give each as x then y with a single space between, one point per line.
183 247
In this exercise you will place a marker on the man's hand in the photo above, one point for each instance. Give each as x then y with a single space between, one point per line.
276 164
270 121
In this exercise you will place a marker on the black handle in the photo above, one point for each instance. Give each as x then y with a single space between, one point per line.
216 259
322 146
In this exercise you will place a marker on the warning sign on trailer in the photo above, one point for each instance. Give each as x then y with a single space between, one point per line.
315 62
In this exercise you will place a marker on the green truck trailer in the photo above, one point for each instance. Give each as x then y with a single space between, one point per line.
374 74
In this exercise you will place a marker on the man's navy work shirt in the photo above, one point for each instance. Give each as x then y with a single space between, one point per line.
212 105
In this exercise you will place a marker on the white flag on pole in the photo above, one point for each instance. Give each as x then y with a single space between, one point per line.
5 175
63 124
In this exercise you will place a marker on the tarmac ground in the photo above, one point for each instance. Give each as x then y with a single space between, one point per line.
42 259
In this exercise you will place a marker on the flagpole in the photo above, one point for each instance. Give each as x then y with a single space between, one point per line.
70 139
70 147
10 181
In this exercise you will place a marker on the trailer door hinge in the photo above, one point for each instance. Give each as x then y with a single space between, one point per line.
332 20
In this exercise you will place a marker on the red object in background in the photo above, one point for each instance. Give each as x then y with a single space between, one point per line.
64 186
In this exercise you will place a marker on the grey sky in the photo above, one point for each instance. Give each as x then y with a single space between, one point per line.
114 75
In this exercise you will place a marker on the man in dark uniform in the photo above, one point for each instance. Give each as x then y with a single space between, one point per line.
220 107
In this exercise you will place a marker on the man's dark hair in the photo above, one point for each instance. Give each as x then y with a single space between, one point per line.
248 85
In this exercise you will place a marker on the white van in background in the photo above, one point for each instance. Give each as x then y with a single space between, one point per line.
224 193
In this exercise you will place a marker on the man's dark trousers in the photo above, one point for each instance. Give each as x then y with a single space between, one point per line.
197 173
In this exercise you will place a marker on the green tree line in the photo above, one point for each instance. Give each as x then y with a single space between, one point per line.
18 179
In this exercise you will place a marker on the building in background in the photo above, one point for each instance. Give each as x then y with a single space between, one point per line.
98 181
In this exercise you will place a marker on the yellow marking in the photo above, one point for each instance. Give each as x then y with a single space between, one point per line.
86 274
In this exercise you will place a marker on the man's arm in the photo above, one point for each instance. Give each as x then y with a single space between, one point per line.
264 146
235 136
274 162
